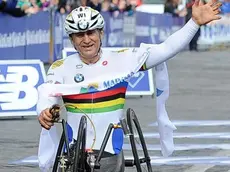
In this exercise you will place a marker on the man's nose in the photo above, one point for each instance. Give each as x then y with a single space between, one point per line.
86 38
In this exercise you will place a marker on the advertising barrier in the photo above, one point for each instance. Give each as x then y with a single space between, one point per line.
19 80
155 28
25 37
140 84
12 39
217 32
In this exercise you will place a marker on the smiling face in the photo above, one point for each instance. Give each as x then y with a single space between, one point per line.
87 43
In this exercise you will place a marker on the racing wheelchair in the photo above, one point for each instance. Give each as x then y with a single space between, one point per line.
75 158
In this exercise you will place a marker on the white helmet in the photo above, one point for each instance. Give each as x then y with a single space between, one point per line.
83 19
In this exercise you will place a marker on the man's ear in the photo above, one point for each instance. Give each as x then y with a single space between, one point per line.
71 39
101 33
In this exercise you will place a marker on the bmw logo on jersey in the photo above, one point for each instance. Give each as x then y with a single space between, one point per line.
78 78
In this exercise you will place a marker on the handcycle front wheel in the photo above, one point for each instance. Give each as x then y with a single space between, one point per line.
60 159
132 118
74 160
80 154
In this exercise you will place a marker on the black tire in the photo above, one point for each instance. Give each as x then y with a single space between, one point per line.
132 118
59 151
80 154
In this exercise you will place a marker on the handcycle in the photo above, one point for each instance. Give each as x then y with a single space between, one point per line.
75 158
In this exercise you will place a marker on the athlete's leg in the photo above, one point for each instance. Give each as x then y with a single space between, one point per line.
112 163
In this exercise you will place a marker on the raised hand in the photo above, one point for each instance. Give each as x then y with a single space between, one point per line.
205 13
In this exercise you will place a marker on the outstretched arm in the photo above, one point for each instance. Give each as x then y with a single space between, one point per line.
172 45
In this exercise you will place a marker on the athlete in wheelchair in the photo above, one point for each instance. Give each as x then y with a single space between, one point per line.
101 79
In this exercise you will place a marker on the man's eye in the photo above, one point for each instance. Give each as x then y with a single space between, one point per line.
90 32
80 34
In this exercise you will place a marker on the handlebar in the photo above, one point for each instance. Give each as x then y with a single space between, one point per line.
54 110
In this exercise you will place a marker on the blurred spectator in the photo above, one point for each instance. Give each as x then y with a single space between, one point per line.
171 6
193 43
62 6
45 4
95 4
130 6
121 6
9 7
114 6
225 8
29 6
105 5
83 2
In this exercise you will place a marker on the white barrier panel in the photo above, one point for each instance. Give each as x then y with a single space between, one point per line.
183 147
198 135
140 84
191 123
19 80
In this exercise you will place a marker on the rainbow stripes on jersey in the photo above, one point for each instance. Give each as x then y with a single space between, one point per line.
144 67
98 102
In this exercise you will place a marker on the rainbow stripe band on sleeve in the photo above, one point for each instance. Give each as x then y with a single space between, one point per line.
144 67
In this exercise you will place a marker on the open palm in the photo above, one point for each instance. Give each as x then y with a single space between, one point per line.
205 13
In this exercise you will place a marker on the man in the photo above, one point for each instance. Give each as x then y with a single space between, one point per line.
100 78
193 43
171 7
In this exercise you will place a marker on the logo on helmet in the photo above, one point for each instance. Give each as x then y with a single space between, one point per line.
83 25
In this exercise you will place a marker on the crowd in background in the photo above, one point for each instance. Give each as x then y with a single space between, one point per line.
113 6
18 8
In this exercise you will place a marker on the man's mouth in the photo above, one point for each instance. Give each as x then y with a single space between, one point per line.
88 46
